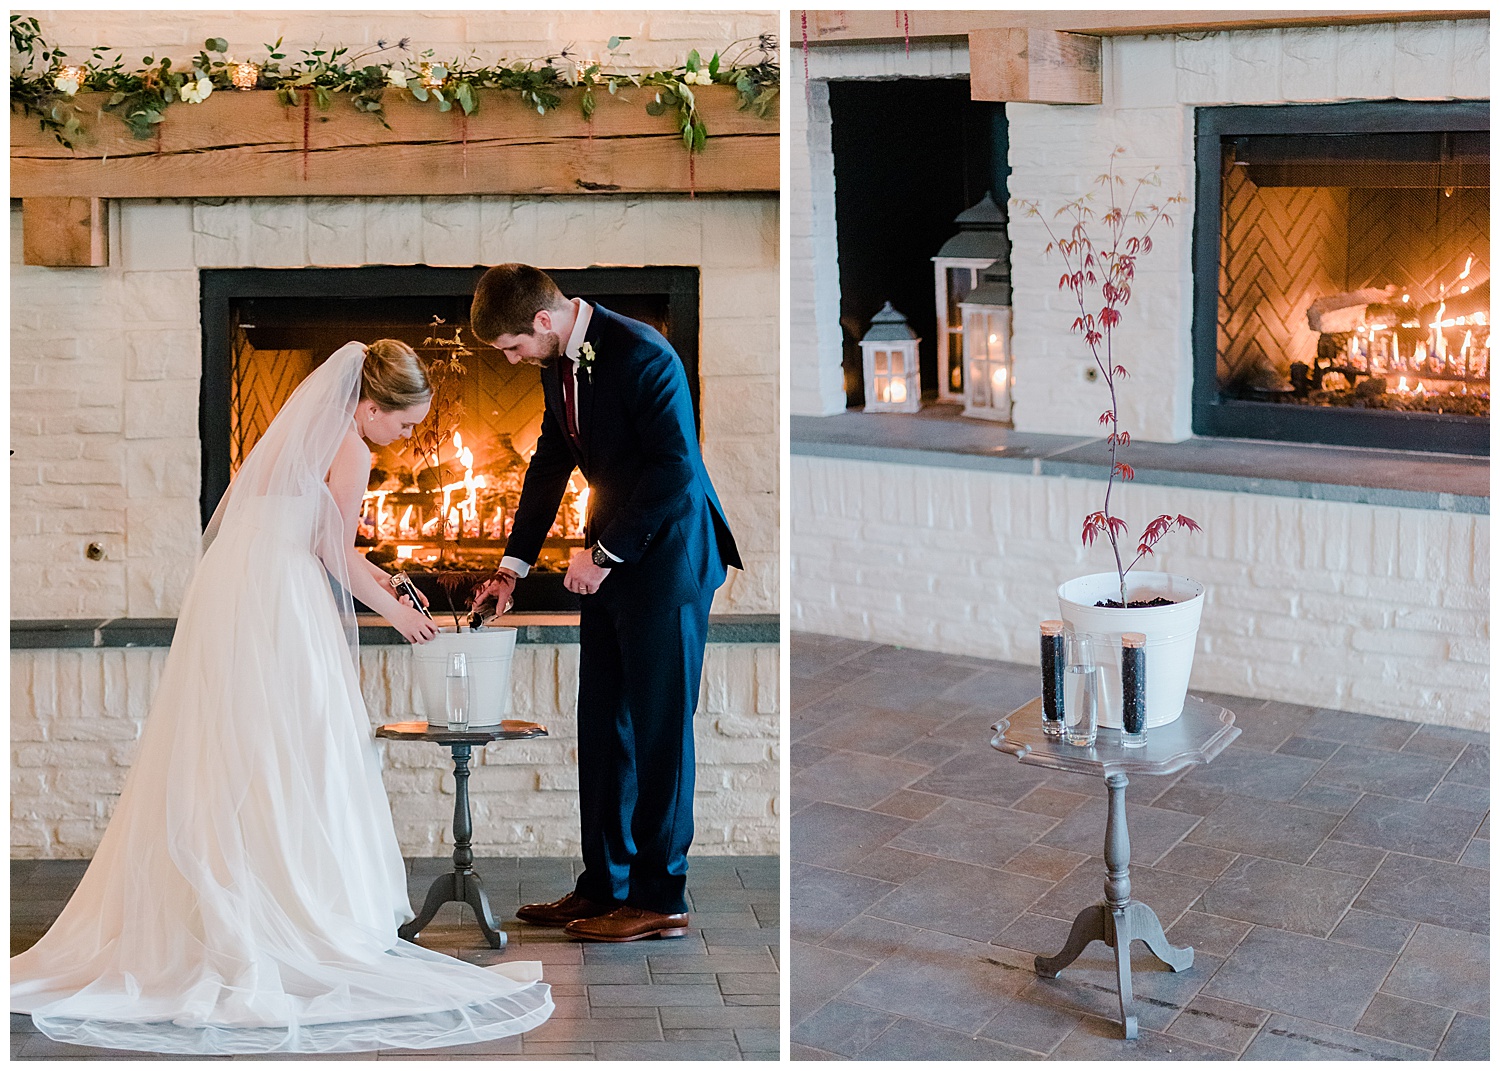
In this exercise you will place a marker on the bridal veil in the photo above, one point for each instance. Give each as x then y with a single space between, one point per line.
246 895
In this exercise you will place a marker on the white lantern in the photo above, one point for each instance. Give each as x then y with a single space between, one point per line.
980 242
987 364
893 380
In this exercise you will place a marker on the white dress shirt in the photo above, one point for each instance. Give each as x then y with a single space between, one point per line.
584 312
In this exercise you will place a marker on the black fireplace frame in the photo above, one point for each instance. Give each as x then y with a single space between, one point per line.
220 287
1217 416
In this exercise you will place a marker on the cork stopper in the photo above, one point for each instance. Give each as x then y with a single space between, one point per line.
1056 628
1132 639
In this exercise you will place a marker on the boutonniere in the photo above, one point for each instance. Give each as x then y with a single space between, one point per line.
586 357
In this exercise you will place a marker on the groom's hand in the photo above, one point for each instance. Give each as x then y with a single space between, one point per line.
584 577
495 593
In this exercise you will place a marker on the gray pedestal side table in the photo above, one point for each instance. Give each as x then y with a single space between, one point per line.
463 884
1203 731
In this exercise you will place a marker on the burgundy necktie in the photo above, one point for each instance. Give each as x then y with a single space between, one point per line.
570 403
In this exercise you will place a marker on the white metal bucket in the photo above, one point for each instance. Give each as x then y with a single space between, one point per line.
489 654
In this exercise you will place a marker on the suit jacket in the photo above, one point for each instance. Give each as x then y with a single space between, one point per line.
651 502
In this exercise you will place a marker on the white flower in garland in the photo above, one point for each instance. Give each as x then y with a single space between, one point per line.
196 92
66 85
702 78
397 77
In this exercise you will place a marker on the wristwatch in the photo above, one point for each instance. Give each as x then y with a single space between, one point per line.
601 559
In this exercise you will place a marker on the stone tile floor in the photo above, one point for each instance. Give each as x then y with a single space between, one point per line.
713 995
1331 870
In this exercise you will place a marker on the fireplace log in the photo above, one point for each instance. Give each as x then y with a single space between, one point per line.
1341 313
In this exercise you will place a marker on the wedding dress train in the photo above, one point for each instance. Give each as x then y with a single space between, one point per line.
246 895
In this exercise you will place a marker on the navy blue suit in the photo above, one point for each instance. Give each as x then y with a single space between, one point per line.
642 635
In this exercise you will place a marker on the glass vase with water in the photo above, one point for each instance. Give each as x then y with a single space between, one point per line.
458 692
1081 690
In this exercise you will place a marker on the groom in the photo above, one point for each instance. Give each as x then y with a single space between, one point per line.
656 548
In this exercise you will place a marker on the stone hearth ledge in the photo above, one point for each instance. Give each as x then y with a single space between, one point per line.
532 628
938 436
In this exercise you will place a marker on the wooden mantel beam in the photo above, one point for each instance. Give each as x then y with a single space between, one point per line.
1036 67
65 232
853 27
249 145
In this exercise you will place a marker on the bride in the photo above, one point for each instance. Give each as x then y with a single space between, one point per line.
246 895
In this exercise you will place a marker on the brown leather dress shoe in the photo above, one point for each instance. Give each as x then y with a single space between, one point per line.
561 912
627 923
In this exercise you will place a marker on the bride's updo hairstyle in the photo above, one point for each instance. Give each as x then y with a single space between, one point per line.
394 378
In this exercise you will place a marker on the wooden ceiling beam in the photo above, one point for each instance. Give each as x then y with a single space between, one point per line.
855 27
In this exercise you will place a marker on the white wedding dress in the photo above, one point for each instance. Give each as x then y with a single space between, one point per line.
246 895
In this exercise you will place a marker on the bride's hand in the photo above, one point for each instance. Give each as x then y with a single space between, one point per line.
416 626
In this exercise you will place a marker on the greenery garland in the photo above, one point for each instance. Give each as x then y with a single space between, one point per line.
40 84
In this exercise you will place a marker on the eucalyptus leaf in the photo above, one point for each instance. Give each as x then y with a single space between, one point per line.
655 107
216 44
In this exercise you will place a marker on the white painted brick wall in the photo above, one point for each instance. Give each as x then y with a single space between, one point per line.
657 38
1350 607
76 715
1151 86
105 365
104 373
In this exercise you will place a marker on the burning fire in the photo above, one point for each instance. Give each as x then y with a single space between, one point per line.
415 523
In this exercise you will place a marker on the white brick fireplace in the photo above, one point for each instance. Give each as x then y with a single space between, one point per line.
105 367
1365 605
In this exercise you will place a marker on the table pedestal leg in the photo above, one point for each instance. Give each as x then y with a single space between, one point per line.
1118 920
463 885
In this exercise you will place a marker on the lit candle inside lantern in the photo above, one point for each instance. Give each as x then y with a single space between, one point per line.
896 393
997 378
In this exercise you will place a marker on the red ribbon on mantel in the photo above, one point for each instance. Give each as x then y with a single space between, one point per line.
463 133
306 128
806 77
